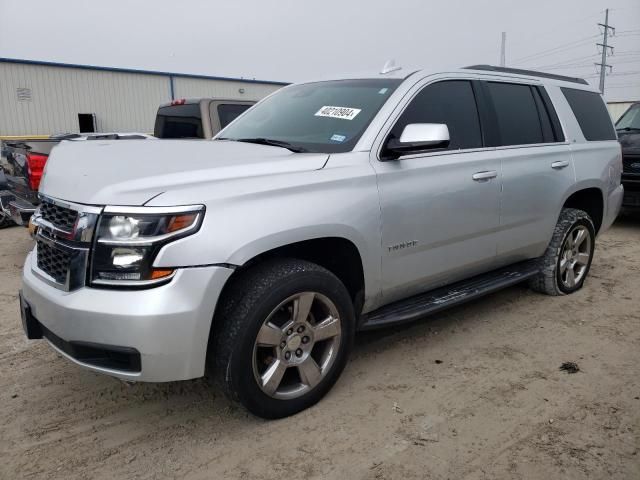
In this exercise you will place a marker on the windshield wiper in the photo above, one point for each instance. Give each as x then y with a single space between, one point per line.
273 143
628 129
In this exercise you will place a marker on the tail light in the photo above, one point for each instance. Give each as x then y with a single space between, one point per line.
180 101
35 167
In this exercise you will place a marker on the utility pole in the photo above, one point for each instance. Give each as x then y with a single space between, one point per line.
605 49
503 46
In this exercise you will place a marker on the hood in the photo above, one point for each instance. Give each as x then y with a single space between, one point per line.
132 172
630 142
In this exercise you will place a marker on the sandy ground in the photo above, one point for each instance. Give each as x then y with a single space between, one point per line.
473 393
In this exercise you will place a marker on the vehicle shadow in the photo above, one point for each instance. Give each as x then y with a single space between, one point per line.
628 219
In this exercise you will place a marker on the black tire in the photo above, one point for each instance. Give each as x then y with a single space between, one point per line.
549 280
245 305
5 222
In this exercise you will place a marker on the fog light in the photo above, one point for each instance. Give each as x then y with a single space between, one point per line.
119 275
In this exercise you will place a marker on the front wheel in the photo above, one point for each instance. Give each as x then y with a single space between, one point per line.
567 260
282 336
5 221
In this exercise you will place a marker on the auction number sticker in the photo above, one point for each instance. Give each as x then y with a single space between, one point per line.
344 113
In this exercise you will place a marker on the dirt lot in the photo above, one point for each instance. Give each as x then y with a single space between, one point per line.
473 393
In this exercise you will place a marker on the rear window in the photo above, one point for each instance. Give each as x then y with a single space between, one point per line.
517 114
591 113
179 121
228 112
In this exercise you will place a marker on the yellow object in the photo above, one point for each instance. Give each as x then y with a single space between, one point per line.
160 273
33 229
24 137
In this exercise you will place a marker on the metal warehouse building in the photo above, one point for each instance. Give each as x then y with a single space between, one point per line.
43 98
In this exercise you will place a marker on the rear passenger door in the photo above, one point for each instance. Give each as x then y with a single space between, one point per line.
537 167
439 224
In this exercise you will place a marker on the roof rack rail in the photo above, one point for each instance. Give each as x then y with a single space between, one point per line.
518 71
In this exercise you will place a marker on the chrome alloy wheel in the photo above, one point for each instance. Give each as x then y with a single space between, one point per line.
575 256
296 345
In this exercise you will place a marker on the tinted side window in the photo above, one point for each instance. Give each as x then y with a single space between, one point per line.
229 112
450 102
591 113
516 113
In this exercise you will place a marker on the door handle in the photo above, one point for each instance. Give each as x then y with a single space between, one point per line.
560 164
479 176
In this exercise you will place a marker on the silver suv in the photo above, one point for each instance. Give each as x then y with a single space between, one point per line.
328 208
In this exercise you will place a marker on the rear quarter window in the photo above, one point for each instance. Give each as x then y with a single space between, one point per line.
591 113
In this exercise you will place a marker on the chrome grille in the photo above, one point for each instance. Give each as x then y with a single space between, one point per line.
61 217
53 261
63 240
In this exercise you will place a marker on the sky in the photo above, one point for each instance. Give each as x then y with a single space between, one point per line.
296 40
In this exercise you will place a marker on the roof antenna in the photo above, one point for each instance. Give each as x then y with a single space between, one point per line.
390 66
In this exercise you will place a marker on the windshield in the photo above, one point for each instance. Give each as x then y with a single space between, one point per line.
630 119
327 117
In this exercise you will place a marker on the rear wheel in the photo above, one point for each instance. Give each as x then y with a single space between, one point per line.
282 336
567 260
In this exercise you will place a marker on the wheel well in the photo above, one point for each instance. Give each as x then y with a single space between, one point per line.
338 255
590 201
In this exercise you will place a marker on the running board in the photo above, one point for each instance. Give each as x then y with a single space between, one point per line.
442 298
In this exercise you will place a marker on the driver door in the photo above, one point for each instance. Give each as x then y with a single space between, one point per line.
440 209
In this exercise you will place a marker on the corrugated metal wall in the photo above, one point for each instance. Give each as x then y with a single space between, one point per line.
196 87
43 100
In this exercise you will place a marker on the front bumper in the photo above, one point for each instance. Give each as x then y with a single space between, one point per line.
166 328
16 208
631 191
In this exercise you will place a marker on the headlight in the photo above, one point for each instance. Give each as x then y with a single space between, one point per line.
129 239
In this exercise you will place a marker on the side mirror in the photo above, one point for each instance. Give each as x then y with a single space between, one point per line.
417 137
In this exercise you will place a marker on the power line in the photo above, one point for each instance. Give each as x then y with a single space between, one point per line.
559 48
552 29
564 67
623 61
631 85
579 62
620 74
570 61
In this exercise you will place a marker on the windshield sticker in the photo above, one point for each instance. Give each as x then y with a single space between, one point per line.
382 91
336 137
344 113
